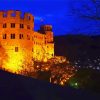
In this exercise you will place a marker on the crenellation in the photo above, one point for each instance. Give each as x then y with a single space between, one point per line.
1 14
18 14
11 14
28 17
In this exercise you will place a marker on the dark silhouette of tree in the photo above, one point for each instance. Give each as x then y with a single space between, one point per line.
87 9
88 79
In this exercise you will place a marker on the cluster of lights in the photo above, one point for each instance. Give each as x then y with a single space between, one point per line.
61 70
89 63
60 75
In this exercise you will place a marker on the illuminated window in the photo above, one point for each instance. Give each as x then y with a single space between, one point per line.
20 36
4 36
16 49
12 36
4 25
21 26
12 25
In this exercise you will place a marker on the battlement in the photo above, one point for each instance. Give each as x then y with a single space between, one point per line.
16 14
46 28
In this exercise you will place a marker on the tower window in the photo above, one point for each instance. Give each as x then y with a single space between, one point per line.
20 36
4 25
21 26
16 49
12 36
28 27
4 36
12 25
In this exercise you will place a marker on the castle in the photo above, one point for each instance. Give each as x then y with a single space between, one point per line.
21 42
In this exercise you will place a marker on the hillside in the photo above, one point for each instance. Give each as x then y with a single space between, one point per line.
78 47
16 87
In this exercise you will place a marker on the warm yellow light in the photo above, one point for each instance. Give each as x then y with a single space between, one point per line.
14 62
46 68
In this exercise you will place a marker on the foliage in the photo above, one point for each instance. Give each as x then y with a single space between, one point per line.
87 9
54 72
86 79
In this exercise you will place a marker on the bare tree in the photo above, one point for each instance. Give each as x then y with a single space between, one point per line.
87 9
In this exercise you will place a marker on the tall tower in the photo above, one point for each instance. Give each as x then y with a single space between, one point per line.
49 41
15 37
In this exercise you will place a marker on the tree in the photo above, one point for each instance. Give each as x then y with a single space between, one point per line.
88 79
61 73
87 9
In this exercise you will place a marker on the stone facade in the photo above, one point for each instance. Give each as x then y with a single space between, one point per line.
21 42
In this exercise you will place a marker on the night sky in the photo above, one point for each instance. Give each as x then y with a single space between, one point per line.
58 13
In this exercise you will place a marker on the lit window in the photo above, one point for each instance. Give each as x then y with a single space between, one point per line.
4 36
4 25
16 49
12 25
20 36
21 26
12 36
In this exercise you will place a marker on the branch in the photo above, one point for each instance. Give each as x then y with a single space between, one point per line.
90 17
86 11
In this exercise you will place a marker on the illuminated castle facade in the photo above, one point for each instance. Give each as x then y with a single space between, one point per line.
21 42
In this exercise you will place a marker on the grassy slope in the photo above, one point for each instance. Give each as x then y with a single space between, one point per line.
16 87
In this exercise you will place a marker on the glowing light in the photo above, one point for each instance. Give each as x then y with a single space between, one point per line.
47 68
62 83
76 84
14 62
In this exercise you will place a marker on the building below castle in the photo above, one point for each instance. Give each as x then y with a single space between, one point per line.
21 43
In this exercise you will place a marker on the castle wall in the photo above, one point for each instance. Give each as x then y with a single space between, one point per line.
21 42
17 47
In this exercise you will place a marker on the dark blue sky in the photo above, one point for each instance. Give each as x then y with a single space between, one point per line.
56 12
